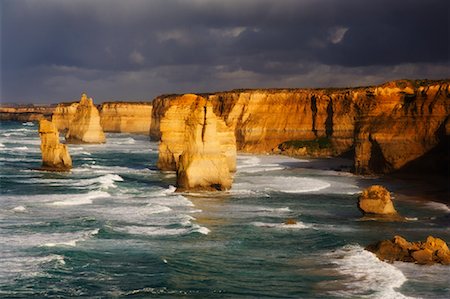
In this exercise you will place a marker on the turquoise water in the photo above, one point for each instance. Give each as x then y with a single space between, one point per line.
115 228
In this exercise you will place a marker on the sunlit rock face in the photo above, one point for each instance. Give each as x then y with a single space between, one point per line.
85 126
125 117
399 123
431 251
196 143
386 126
376 200
55 155
63 115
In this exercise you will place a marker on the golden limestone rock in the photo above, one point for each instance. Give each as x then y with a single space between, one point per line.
433 250
85 126
126 117
387 126
63 115
55 155
376 200
196 143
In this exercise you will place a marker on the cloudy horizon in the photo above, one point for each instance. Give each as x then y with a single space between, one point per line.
53 50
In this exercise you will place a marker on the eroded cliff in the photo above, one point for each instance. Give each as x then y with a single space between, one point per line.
63 115
197 144
386 126
126 117
25 113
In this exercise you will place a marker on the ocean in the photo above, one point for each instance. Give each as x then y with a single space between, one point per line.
114 227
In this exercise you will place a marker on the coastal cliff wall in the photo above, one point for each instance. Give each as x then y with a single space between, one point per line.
387 126
126 117
63 115
24 114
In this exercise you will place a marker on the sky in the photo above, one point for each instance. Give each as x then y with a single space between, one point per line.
53 50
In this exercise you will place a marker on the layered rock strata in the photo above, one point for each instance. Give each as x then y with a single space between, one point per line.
125 117
197 144
55 155
386 126
85 126
433 250
25 113
63 115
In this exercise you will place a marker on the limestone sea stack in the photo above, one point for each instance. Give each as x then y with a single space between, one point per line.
376 200
85 126
197 144
55 155
433 250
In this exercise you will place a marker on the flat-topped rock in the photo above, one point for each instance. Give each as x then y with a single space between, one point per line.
376 200
55 155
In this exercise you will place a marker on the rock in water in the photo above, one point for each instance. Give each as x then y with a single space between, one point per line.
55 155
433 250
171 125
376 200
203 165
85 126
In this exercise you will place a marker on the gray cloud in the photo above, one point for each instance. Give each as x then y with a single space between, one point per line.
52 49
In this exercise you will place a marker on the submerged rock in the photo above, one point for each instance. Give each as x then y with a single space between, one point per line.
433 250
290 221
85 126
376 200
55 155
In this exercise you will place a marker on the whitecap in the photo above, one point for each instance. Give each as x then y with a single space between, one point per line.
29 123
366 274
16 266
83 236
157 209
20 148
19 209
80 199
2 145
298 225
287 184
162 231
438 206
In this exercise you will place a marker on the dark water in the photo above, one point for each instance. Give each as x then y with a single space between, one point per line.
114 227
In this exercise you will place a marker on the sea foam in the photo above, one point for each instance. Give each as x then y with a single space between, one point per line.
366 275
80 199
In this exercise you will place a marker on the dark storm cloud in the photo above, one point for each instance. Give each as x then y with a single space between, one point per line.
140 48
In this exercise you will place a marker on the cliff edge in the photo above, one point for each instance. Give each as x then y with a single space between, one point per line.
384 127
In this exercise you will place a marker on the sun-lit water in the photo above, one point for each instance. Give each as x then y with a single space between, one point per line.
114 227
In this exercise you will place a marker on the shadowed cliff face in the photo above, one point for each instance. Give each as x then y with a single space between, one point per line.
24 114
387 126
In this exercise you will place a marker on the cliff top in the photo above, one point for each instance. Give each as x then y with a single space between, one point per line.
401 83
149 103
